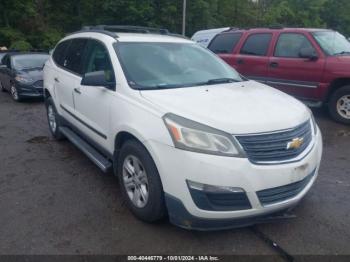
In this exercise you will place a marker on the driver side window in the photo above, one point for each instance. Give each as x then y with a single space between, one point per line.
290 45
97 59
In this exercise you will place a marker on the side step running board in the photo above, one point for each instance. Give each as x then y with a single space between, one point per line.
102 162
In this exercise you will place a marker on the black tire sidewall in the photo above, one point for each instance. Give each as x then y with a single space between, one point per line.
155 207
2 87
332 106
57 134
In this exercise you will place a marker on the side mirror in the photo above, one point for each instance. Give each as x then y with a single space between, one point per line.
308 53
98 78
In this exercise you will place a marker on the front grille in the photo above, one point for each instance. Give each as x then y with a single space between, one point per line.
273 146
220 201
278 194
39 84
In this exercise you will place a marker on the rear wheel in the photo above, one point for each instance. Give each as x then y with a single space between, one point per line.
339 105
140 182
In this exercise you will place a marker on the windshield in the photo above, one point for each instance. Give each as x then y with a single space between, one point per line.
172 65
21 62
332 42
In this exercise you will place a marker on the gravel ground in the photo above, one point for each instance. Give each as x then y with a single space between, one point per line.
53 200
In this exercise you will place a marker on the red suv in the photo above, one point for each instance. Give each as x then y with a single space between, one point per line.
310 64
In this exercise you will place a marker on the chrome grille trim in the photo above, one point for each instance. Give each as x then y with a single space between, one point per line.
271 148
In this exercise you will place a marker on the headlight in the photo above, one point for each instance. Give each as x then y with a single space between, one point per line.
313 122
193 136
23 79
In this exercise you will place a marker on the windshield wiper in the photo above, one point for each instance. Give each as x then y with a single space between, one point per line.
343 53
209 82
31 68
162 86
221 81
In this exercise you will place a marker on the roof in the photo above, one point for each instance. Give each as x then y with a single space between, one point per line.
122 33
135 37
277 29
132 37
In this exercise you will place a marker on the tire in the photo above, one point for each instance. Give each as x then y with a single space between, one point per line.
143 185
2 87
339 105
53 119
14 93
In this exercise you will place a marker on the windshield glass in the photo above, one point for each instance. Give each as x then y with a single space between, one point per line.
332 42
172 65
21 62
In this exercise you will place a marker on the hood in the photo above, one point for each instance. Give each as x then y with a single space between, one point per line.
343 59
35 74
338 66
236 108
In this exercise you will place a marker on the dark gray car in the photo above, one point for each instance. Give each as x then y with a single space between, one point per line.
21 74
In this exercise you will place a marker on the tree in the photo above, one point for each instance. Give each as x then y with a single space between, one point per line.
43 22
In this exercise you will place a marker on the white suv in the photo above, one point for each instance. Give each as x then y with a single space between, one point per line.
187 136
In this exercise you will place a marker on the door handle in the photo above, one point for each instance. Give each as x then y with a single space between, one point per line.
77 90
56 80
274 64
240 61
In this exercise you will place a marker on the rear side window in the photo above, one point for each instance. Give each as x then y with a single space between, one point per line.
224 43
1 57
5 60
290 45
58 54
257 44
74 56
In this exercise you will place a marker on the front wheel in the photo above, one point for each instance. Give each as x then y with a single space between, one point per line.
14 93
140 182
2 87
53 119
339 105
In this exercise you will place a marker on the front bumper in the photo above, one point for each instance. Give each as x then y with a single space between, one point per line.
176 167
30 90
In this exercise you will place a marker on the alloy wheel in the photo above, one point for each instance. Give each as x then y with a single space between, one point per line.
52 118
135 181
14 93
343 106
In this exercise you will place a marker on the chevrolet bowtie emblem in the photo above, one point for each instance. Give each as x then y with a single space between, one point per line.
295 143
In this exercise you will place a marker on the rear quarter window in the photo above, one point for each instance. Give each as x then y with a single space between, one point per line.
59 52
224 43
74 56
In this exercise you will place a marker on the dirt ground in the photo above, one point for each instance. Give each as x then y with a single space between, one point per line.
53 200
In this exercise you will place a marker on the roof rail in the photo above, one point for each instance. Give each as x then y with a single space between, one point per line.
113 30
276 27
231 29
128 29
86 29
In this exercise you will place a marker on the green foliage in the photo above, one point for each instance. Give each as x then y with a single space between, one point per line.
21 45
43 22
9 35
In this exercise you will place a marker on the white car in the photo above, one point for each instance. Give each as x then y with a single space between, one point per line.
203 37
186 135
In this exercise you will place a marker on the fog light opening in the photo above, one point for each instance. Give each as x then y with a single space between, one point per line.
212 188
